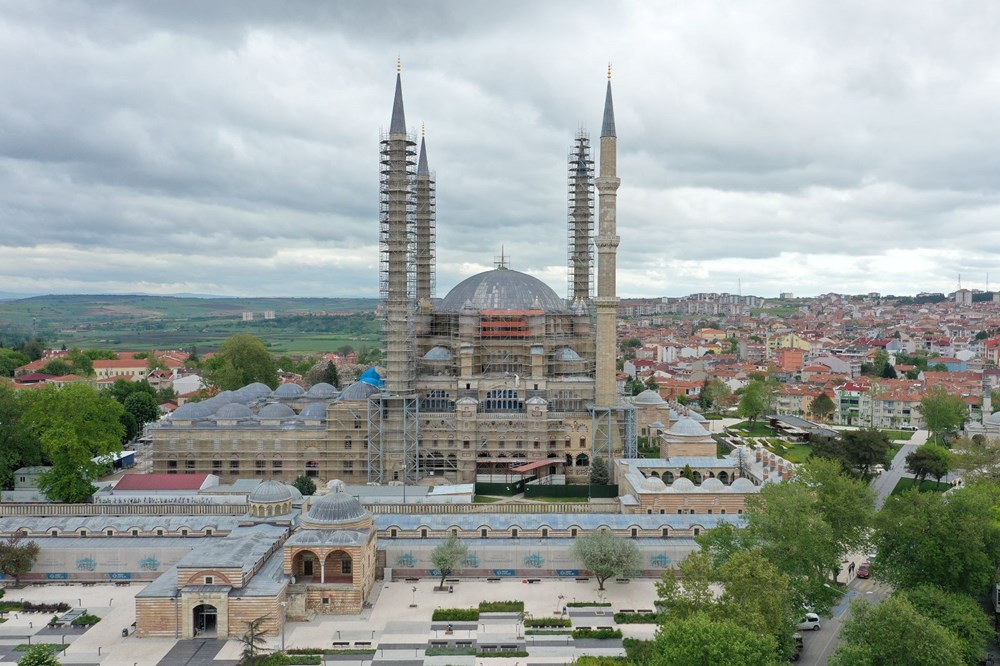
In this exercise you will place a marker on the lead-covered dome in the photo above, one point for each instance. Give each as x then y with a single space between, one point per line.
502 289
270 492
289 391
687 427
276 410
322 390
335 509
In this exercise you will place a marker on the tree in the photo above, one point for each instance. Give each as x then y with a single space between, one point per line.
759 597
599 475
305 485
33 349
242 359
951 541
754 402
845 503
57 367
253 641
682 599
607 555
121 389
447 554
928 460
960 614
18 444
143 408
38 655
330 374
17 556
944 412
978 457
894 632
700 639
857 450
10 360
822 407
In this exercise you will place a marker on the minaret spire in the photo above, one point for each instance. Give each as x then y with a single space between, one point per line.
608 126
606 242
398 123
424 196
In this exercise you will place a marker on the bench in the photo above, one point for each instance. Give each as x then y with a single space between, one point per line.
463 643
342 644
122 583
583 579
494 579
439 644
582 628
451 580
362 643
626 610
605 628
412 580
622 580
532 581
645 611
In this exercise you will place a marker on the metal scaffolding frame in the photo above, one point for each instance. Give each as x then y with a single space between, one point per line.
580 230
611 424
393 428
425 235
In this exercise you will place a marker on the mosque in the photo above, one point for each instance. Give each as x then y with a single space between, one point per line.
500 374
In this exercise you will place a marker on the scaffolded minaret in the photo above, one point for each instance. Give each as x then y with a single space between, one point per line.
396 239
581 220
607 248
423 217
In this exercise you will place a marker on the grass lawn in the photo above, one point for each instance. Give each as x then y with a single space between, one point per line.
759 429
798 453
906 483
900 435
485 499
577 500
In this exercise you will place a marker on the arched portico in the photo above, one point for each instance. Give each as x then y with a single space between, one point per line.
338 567
205 620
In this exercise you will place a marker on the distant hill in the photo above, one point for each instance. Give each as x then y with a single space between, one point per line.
174 321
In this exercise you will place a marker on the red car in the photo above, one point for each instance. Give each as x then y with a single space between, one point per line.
863 571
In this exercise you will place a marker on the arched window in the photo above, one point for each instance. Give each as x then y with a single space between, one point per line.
582 460
312 468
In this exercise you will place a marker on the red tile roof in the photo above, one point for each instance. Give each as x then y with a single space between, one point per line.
161 482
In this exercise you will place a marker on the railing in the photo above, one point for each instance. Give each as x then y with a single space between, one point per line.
546 507
43 509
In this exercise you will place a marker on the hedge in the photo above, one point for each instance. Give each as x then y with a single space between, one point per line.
503 653
599 634
587 604
637 618
449 651
639 651
601 661
310 651
547 622
85 620
28 607
455 614
501 607
548 632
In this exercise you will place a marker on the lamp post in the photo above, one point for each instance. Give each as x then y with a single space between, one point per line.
414 602
284 611
559 605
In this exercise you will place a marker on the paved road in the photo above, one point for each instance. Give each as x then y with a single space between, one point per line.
820 645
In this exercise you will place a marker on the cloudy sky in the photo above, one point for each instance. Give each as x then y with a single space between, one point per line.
232 147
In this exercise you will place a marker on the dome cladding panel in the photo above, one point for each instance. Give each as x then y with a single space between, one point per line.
336 508
270 492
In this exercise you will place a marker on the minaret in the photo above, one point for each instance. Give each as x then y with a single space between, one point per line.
423 217
607 241
581 220
396 247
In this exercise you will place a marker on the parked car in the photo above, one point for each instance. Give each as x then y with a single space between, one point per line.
864 570
810 623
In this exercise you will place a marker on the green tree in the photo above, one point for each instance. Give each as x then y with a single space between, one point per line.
754 402
18 444
894 632
83 365
121 389
978 457
143 408
33 349
242 359
960 614
944 412
17 556
330 374
692 593
100 354
57 367
857 450
254 643
599 475
10 360
700 639
845 503
607 555
951 541
305 485
70 478
757 596
131 427
928 460
38 655
447 554
822 407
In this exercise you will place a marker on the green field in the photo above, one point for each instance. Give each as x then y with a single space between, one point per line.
759 429
300 325
899 435
906 483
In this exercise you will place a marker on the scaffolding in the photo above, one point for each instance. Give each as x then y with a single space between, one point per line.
424 216
393 435
614 429
580 235
397 241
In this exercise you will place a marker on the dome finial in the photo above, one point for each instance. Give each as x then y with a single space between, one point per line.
609 71
399 65
423 130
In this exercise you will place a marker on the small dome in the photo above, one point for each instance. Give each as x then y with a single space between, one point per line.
568 354
652 484
317 410
295 492
276 410
270 492
698 418
713 485
358 391
672 414
289 391
993 419
233 410
226 397
438 354
254 391
322 390
648 397
742 486
682 485
687 428
191 410
336 508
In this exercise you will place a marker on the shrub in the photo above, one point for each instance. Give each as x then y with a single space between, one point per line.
601 661
309 659
637 618
503 653
455 614
638 651
501 606
547 622
548 632
85 620
587 604
599 634
449 651
29 607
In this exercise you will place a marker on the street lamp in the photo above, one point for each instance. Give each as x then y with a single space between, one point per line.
414 603
559 606
284 611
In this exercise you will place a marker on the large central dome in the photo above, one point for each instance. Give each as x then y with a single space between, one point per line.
502 289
